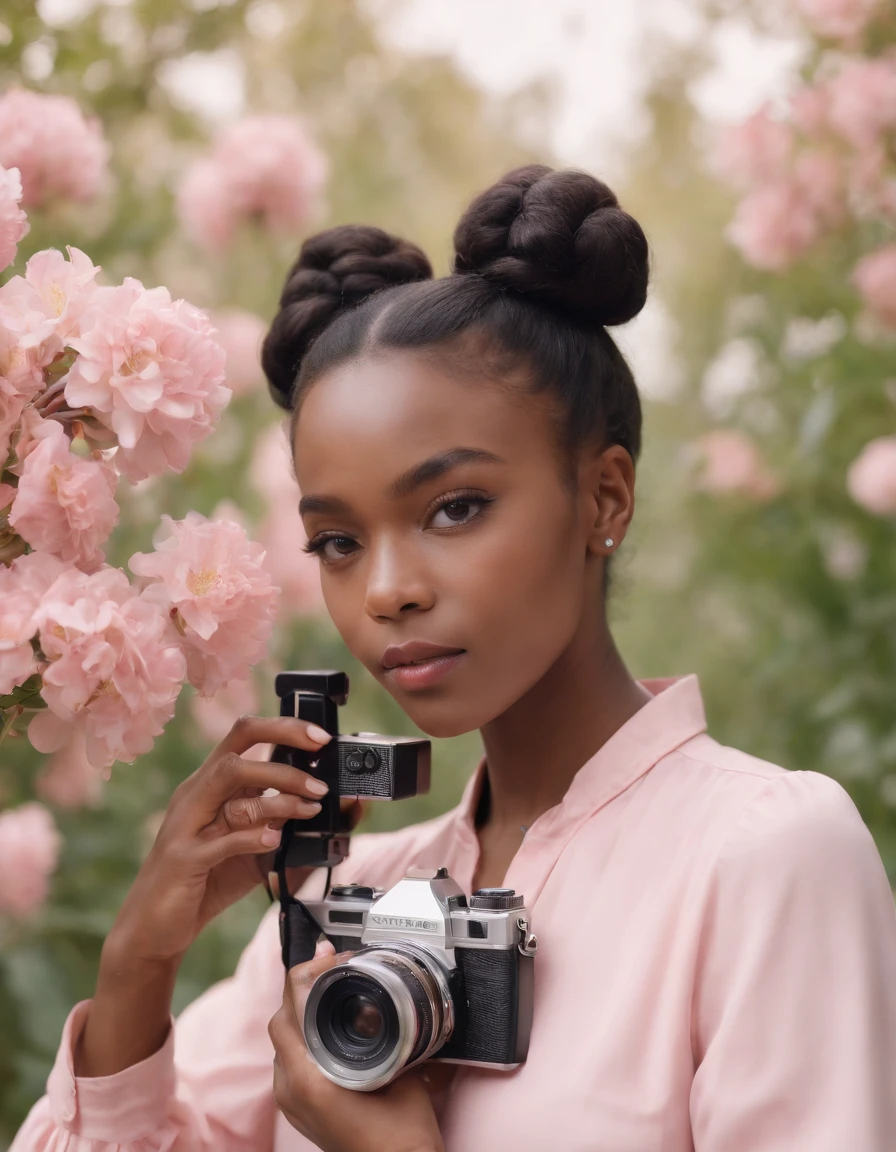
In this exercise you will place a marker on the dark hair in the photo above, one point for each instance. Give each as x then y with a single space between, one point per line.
545 260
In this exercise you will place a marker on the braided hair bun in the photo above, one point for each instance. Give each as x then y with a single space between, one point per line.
335 270
561 239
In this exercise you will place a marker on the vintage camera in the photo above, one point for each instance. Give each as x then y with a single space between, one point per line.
433 977
363 765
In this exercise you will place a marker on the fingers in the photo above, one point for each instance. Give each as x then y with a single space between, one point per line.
242 812
219 779
285 1028
300 978
249 730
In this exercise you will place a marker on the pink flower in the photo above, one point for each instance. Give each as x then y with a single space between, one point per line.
863 100
150 369
27 338
12 404
281 532
206 205
68 779
838 19
57 151
221 598
821 179
65 504
775 226
29 853
240 334
113 669
875 278
756 151
13 221
21 586
872 184
871 479
809 107
732 464
264 167
62 288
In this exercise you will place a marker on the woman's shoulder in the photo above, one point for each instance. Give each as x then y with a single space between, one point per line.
771 817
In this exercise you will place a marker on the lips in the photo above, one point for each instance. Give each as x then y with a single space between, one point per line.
415 652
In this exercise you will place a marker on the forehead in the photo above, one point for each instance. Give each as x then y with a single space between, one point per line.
378 415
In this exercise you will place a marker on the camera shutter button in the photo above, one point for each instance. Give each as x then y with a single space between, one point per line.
496 899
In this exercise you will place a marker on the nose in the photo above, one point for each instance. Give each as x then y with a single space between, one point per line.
397 582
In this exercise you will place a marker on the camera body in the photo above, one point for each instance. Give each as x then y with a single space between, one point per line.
363 765
433 977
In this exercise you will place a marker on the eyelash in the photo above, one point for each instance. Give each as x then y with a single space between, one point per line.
316 545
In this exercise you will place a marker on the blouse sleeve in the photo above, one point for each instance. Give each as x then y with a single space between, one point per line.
794 1014
208 1087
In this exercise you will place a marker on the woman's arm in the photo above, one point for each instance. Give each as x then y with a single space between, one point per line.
206 1089
218 831
794 1016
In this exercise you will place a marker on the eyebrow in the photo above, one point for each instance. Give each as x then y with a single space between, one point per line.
409 481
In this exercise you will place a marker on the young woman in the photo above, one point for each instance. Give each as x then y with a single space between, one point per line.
717 962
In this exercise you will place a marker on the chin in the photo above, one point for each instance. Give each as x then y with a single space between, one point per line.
443 718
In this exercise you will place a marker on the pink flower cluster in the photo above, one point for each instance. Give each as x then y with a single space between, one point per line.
150 370
792 197
13 221
220 597
29 852
65 505
59 154
112 657
263 167
830 159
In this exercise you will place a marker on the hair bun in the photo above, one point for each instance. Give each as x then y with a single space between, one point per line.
560 238
335 270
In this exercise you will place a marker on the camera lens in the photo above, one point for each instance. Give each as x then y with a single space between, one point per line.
362 1020
357 1021
384 1009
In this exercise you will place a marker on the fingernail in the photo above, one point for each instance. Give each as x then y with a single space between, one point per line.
316 786
270 836
324 948
313 807
319 734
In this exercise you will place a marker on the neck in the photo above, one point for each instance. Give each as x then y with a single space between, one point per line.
535 748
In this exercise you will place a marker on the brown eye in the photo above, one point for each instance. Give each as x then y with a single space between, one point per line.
457 512
332 548
457 509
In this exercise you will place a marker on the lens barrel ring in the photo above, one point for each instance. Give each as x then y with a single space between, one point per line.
415 982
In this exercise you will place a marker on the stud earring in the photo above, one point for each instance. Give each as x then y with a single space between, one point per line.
608 543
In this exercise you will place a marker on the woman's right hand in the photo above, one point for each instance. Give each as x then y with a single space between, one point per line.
216 838
214 846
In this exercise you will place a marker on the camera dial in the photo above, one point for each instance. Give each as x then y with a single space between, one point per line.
496 899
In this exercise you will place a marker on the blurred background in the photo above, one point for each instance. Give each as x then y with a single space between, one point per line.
755 143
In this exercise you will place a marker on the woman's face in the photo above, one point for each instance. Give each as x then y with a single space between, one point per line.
438 512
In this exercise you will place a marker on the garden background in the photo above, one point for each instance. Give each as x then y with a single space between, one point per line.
761 556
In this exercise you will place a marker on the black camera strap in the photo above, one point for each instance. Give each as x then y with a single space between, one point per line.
299 931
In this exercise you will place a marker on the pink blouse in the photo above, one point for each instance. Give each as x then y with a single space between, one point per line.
716 973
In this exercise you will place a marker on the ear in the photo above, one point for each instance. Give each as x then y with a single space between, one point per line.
607 485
